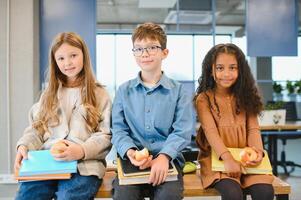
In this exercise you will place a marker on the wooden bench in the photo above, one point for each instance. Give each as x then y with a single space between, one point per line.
193 187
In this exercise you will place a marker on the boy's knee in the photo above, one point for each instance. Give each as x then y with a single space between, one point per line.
123 192
126 195
173 196
175 193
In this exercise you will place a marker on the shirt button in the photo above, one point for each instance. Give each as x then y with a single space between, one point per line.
152 141
147 127
149 93
148 110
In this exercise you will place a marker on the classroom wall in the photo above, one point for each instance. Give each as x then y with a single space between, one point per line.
19 75
66 15
272 27
3 79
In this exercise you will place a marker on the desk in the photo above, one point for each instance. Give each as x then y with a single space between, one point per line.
273 133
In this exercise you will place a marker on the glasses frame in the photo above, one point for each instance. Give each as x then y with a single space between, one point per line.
147 49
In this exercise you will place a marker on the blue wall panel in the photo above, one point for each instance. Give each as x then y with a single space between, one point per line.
66 15
272 27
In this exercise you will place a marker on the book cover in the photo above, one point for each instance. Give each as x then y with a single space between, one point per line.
42 162
42 177
131 170
263 168
141 178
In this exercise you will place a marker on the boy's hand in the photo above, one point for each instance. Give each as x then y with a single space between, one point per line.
142 164
21 154
72 151
159 169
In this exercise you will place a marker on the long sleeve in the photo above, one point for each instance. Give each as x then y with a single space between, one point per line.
209 126
253 132
182 126
120 129
98 145
31 138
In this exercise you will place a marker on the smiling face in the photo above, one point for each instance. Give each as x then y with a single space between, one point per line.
225 71
150 62
69 59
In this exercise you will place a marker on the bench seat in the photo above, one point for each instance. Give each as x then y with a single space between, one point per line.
193 187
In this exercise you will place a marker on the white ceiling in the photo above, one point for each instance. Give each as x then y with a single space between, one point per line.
124 15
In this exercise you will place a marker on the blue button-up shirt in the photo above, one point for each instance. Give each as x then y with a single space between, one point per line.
158 118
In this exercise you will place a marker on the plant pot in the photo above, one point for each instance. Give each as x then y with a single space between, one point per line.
277 97
272 117
292 97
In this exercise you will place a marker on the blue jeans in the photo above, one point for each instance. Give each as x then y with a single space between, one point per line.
78 187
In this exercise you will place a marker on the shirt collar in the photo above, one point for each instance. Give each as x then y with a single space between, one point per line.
164 81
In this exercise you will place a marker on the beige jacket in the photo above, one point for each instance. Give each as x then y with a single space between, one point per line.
96 145
227 130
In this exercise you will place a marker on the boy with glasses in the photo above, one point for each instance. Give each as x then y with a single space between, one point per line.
151 111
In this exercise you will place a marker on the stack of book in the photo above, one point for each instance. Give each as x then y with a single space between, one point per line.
128 174
41 165
263 168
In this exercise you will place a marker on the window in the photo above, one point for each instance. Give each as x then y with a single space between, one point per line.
287 68
179 62
116 64
105 61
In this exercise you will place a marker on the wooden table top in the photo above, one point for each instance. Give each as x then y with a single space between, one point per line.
294 125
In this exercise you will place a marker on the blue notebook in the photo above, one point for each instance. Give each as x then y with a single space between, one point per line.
42 162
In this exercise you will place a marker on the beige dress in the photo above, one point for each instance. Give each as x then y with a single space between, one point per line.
227 130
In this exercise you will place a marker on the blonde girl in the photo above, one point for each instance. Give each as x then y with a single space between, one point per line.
75 109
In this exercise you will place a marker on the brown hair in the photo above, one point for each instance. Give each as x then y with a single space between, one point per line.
150 31
48 111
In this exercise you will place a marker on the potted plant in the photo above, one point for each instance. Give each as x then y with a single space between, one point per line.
291 87
298 101
298 87
277 89
272 114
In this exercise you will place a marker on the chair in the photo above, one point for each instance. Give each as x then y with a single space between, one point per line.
291 115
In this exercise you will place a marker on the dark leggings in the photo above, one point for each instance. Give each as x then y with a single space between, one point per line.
231 190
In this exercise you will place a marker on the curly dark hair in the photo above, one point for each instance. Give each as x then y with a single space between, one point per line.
244 89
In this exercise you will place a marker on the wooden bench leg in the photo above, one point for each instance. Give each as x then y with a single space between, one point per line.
282 197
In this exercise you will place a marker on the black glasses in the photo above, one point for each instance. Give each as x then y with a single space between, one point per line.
151 50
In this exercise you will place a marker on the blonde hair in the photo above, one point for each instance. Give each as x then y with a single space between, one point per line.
150 31
48 111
